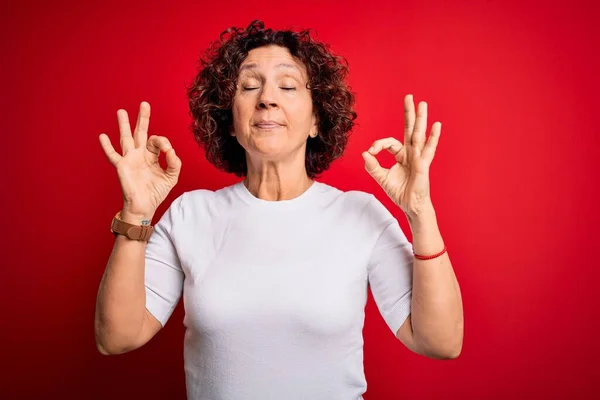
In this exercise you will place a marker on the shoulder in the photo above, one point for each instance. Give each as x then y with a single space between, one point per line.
359 203
348 197
201 203
207 196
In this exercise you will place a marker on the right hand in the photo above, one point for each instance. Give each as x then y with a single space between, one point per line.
144 183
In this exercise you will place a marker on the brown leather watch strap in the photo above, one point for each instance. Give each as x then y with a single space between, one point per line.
134 232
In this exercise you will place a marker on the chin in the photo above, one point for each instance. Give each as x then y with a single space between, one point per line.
270 153
272 144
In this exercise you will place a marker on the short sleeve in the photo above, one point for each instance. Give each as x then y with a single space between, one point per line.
163 273
390 269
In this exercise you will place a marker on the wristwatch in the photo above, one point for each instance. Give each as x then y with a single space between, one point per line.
133 232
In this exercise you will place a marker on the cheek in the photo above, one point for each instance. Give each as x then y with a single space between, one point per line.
237 111
235 106
300 114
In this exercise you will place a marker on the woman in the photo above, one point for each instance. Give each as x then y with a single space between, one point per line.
274 270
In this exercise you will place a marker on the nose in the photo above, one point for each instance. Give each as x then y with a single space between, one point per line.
267 98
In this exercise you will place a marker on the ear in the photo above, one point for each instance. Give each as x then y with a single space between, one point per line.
314 130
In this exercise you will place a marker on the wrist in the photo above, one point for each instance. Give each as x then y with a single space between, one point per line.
422 213
135 218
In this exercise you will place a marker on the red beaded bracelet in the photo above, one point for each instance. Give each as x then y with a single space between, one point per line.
432 256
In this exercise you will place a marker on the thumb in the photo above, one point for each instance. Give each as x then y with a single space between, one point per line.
373 167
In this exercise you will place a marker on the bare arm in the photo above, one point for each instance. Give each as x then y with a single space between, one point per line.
435 326
122 322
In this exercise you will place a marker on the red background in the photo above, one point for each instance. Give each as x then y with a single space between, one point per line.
514 180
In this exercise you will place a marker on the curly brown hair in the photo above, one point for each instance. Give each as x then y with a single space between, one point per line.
212 92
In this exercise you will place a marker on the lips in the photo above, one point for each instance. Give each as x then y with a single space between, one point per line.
267 124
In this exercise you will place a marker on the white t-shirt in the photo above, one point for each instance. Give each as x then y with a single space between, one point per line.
274 291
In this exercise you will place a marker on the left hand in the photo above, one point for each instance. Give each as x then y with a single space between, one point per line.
407 181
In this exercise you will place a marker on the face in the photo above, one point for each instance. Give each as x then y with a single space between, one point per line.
272 108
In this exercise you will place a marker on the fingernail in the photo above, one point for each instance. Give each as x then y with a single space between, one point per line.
372 149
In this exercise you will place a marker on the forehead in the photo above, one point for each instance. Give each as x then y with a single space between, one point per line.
274 58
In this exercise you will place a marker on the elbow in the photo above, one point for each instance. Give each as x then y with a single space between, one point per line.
101 342
109 350
111 341
447 347
451 353
102 350
106 345
449 350
447 353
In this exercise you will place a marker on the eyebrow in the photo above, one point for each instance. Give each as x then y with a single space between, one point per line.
255 65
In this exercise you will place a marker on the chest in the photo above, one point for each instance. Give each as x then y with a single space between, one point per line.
279 275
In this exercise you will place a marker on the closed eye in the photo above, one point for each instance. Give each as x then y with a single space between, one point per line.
282 88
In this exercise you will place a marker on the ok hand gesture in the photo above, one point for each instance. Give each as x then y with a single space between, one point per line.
143 181
407 181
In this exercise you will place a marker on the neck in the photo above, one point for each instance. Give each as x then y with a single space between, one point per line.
273 181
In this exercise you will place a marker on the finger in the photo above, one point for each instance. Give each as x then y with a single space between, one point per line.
373 168
418 135
409 118
125 131
391 144
156 144
400 154
173 163
109 150
141 127
434 138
